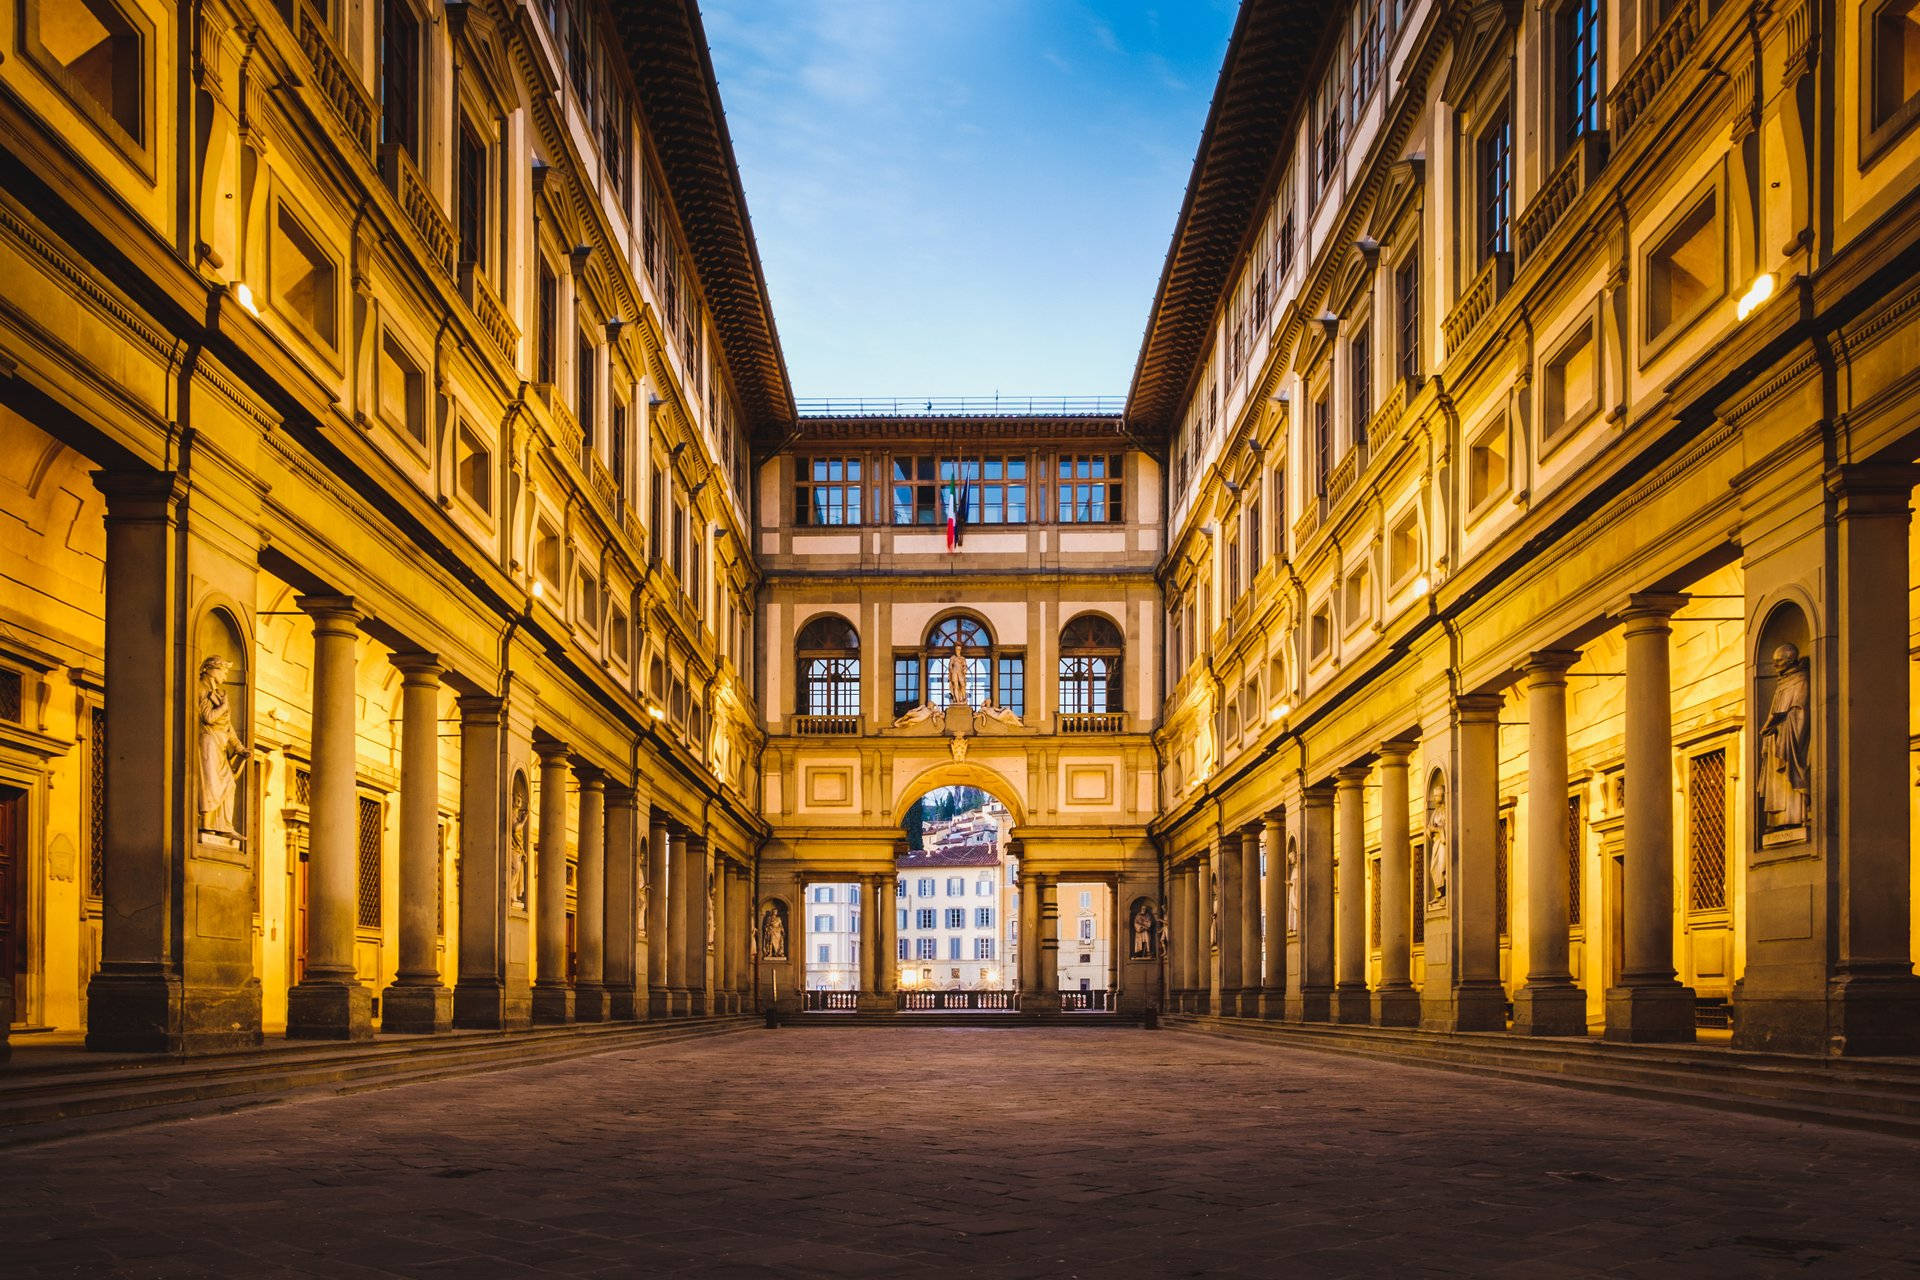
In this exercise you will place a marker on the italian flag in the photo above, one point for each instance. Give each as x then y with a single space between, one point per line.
956 497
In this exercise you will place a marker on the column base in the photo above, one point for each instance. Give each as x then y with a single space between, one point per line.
552 1005
1352 1004
1396 1007
1250 1002
329 1011
873 1002
623 1004
135 1010
1311 1004
421 1009
659 1002
698 1002
1480 1005
679 1002
1872 1014
1039 1002
489 1006
1273 1006
1550 1009
589 1002
1655 1013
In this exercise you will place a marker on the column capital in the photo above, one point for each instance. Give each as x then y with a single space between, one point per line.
1318 796
591 779
1549 666
1477 708
1650 610
479 708
1396 751
334 613
552 754
621 796
1352 777
1870 489
1273 824
418 668
139 493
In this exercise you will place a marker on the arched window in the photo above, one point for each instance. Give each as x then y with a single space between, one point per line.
1090 651
993 675
827 658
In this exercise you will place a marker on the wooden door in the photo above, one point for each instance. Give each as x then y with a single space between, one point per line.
13 900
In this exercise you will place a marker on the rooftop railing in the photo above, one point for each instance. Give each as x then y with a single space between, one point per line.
969 406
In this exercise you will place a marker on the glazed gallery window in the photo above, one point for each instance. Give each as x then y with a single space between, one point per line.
98 56
1894 61
906 683
1090 651
996 488
976 650
470 193
1578 69
1089 488
400 76
827 492
1406 303
1493 172
827 653
916 493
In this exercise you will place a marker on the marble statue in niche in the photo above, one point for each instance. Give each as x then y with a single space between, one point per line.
773 931
1160 936
517 853
1437 838
1293 887
1144 931
221 750
1784 740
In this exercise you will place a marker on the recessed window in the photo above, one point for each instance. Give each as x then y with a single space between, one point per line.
1357 604
1895 54
618 634
305 280
1487 465
589 601
1360 366
546 553
1320 632
1577 35
1493 167
97 54
1572 390
400 76
473 468
1687 269
402 390
1403 547
470 192
1406 302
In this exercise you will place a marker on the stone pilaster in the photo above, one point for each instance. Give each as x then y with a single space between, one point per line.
1395 1002
1273 989
590 916
659 916
1050 942
1650 1004
1031 998
552 985
1227 892
1479 1000
329 1002
1549 1004
1351 1001
481 997
698 971
621 927
1249 923
1314 999
417 1001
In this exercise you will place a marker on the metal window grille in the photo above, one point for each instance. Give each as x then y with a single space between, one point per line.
10 704
1574 860
303 788
440 885
1707 831
1420 893
97 803
370 839
1502 869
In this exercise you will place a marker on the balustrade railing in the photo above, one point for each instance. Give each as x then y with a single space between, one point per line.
1475 303
484 302
946 1001
830 1001
416 201
1093 722
1658 65
348 99
827 726
1086 1002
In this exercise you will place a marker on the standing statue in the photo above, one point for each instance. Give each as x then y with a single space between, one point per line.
1293 889
220 749
1160 938
957 675
1143 931
1783 746
517 854
713 922
1437 838
773 932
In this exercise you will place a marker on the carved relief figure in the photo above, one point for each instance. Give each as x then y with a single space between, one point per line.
1000 715
918 715
517 852
1783 745
773 931
1437 838
1144 931
221 749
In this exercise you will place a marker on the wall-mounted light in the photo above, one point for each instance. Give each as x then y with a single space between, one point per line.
539 589
1422 585
1758 292
1328 321
243 294
657 712
1280 712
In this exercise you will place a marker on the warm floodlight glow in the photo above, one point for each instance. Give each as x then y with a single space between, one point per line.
244 294
1758 292
1280 712
539 589
658 713
1421 585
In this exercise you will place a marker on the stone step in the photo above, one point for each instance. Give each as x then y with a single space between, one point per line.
961 1019
35 1103
1884 1097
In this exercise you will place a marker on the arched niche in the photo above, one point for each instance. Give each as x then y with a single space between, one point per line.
1783 728
519 819
222 730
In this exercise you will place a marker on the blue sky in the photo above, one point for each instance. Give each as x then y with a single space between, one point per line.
958 197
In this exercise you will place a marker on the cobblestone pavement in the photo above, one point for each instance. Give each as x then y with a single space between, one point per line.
932 1151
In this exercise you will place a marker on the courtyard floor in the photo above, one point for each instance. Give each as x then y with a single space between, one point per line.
937 1151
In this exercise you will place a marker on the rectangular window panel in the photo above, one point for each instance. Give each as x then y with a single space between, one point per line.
828 491
916 494
1013 684
1495 172
1089 489
1707 832
370 832
906 684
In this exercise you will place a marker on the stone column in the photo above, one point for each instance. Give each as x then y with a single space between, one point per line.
590 916
1395 1002
722 1001
680 919
1176 957
887 963
1549 1004
872 963
1649 1005
1050 942
1031 998
1315 1001
135 1000
1273 991
1200 994
620 926
480 997
1351 1001
417 1001
1226 907
552 987
699 879
330 1003
1479 1001
1873 996
1249 983
659 963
